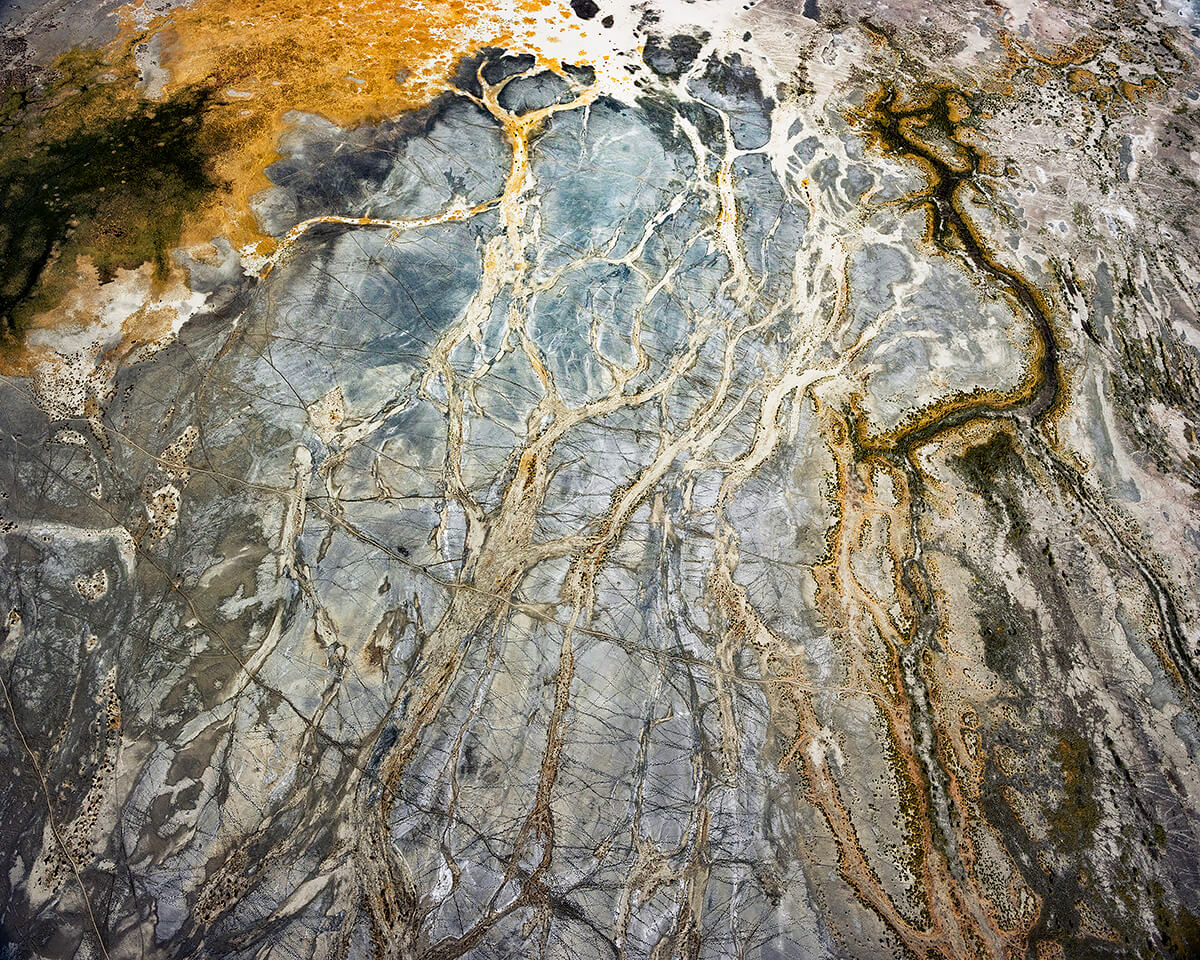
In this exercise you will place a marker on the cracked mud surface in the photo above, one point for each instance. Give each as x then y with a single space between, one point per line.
575 483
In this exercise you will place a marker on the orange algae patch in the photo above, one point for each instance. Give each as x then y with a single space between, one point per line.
246 64
351 61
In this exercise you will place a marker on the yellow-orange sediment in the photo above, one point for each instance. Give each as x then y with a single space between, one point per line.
350 62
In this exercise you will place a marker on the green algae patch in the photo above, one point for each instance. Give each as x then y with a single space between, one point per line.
1078 816
982 463
982 466
1180 932
90 168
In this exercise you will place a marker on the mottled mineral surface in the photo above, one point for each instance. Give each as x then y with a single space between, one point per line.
593 481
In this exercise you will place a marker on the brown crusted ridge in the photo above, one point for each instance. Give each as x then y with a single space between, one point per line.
1095 69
